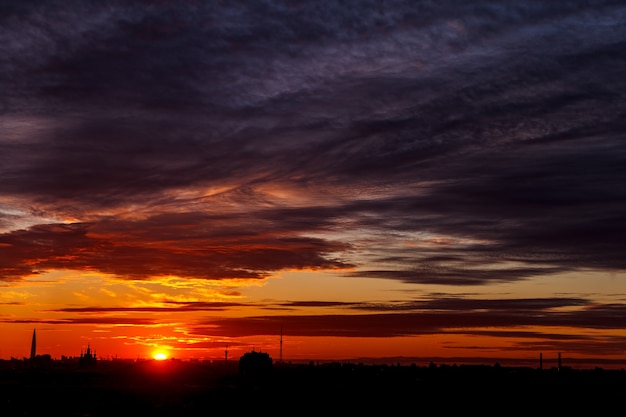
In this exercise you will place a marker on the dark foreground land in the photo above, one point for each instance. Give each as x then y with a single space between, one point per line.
172 388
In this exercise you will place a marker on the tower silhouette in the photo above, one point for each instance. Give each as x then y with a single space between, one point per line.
88 359
33 345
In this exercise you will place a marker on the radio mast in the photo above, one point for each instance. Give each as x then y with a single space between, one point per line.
281 345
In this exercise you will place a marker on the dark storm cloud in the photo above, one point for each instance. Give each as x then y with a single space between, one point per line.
499 127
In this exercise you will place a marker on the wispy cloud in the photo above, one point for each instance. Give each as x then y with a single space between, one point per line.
454 316
116 321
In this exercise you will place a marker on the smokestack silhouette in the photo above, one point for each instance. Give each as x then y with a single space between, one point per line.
33 345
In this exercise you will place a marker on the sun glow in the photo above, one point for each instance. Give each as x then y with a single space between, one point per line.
159 356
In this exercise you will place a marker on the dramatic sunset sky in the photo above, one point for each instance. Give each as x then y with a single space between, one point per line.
378 179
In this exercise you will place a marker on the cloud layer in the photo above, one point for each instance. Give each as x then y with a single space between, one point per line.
457 143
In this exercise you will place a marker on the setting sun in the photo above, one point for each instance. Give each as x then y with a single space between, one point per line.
160 356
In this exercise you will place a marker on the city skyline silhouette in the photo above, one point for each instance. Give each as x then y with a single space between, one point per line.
254 382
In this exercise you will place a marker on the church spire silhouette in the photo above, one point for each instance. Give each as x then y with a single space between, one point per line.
33 345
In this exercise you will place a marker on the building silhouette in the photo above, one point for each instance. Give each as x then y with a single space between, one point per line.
87 359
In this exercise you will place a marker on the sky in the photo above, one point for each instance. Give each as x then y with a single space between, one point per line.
318 180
